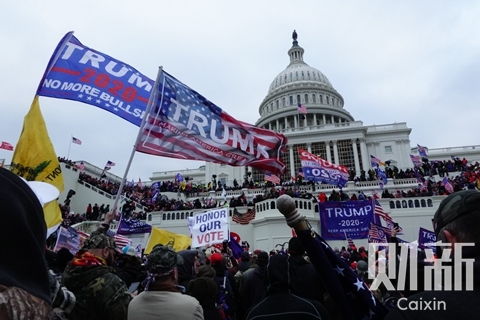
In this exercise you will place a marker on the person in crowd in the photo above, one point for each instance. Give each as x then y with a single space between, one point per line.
244 261
280 303
456 221
205 290
225 283
189 268
24 280
162 298
100 292
253 284
305 281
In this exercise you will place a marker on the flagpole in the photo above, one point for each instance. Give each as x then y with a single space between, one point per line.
69 146
151 102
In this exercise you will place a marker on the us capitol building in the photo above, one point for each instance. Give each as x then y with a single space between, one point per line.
327 130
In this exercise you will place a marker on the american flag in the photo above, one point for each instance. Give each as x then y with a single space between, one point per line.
448 186
120 241
272 178
351 293
422 151
110 164
183 124
244 218
377 234
302 109
77 141
416 160
376 161
5 145
378 211
350 242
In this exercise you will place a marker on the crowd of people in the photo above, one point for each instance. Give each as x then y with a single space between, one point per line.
308 280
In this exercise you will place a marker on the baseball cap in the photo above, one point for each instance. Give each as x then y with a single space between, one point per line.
162 260
454 206
99 241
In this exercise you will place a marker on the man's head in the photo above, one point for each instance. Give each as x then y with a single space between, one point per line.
102 246
458 217
163 261
295 247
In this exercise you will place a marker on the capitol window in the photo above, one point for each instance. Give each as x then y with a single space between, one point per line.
283 102
306 98
388 149
291 100
321 99
314 98
298 99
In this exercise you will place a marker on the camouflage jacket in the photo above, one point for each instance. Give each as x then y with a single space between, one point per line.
99 292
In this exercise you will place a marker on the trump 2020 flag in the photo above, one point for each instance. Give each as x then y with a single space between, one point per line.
185 125
77 72
319 170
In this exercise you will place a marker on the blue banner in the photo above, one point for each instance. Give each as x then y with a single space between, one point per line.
319 170
79 73
131 226
347 217
426 236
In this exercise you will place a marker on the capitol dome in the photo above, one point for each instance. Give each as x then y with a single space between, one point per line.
301 85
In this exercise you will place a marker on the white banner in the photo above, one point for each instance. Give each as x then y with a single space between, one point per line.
209 227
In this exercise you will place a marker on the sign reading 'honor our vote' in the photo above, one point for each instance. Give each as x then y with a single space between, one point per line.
347 218
209 227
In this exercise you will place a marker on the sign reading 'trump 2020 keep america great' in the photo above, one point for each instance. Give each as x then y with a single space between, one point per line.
345 219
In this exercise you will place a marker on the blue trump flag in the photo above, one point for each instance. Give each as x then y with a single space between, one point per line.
319 170
346 217
132 226
79 73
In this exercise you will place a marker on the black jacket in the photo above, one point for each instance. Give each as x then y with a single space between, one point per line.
285 306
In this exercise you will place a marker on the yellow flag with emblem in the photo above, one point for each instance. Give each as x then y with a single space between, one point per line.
174 240
36 160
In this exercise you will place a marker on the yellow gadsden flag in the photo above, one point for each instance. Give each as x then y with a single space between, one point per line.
36 160
159 236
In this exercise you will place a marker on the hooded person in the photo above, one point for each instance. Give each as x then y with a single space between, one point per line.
280 303
24 281
189 268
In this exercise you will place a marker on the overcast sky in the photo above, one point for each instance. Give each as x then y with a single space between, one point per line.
392 61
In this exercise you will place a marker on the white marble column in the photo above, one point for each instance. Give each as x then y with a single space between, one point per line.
329 154
314 119
324 119
309 147
286 122
365 156
355 157
292 162
295 121
278 125
335 152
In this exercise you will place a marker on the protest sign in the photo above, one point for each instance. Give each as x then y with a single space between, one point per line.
209 227
426 237
346 217
69 239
